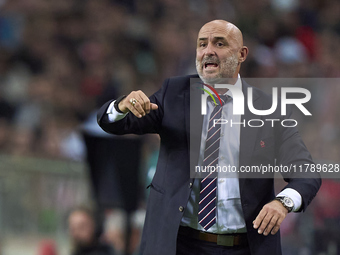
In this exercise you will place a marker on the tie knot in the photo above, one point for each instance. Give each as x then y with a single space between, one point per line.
224 99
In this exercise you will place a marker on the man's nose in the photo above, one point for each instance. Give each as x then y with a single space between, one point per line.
209 50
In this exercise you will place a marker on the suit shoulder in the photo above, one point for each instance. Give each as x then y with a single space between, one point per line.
182 79
265 98
257 92
179 83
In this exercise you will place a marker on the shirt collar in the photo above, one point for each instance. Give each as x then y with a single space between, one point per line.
237 84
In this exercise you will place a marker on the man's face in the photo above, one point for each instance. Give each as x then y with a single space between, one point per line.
82 228
217 53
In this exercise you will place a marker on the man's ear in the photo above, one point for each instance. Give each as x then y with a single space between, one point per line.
243 54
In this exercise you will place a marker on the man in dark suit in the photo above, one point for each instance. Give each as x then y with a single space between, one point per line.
243 215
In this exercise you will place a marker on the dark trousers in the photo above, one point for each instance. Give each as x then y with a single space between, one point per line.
190 246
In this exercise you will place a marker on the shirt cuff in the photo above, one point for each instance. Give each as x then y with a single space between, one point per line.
113 115
294 195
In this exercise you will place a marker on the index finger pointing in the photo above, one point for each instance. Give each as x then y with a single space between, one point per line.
153 106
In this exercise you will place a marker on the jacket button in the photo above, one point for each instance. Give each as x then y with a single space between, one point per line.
181 208
190 185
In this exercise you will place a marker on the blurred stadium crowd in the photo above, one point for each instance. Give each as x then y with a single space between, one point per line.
60 60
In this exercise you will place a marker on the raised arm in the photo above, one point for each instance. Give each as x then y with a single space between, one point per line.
133 114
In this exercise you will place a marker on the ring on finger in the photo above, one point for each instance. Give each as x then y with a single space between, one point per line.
133 101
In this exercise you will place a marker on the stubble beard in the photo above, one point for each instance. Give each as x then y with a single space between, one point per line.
227 70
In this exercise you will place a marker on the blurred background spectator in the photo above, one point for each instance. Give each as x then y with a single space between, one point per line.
59 60
85 232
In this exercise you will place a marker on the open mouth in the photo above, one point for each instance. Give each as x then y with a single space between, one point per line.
210 65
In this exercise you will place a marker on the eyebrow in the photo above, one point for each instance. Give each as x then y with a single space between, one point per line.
215 38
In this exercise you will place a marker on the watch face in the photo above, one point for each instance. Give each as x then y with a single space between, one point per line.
288 202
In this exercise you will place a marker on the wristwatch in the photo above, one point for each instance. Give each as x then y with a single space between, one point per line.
287 202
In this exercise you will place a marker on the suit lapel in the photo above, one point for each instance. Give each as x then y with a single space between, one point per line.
187 115
193 121
248 134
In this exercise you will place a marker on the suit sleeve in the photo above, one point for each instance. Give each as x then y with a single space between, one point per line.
293 153
150 123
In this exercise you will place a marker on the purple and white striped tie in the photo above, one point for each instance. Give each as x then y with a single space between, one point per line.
207 198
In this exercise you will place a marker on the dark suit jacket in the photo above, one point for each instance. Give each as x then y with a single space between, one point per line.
170 189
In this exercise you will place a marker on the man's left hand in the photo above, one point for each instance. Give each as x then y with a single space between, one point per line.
270 218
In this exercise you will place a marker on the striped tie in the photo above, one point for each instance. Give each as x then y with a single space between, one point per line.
207 199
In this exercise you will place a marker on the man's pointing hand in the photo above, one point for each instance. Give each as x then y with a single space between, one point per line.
137 103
